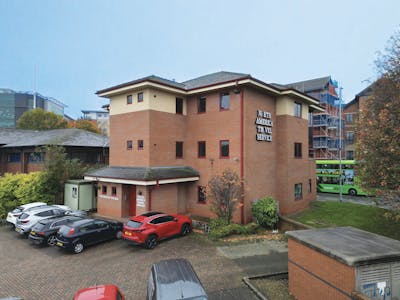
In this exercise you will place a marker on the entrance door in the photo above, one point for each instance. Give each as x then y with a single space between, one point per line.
132 200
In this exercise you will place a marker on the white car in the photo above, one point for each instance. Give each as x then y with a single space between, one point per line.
27 219
14 214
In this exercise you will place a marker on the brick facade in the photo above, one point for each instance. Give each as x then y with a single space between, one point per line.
268 168
313 275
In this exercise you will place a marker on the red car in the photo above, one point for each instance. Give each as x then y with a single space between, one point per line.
100 292
147 229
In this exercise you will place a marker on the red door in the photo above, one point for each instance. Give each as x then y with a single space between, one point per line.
132 200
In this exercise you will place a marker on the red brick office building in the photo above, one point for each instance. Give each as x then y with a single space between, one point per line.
168 138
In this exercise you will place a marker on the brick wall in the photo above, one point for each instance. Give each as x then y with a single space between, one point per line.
313 275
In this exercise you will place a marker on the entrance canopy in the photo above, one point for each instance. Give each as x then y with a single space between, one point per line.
144 175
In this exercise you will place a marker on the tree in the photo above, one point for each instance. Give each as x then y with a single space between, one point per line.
58 168
38 119
87 125
378 130
225 192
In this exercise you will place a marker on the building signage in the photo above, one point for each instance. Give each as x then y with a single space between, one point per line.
140 202
264 126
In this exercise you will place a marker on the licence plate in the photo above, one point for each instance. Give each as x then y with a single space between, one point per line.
17 229
59 244
128 233
33 233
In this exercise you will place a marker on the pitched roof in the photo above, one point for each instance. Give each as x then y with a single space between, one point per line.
144 173
206 80
63 137
310 85
152 78
214 78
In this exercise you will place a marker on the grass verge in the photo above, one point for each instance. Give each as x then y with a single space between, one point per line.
332 214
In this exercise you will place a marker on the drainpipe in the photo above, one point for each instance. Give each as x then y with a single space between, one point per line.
150 189
241 158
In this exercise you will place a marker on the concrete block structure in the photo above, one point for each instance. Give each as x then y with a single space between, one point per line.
335 263
167 139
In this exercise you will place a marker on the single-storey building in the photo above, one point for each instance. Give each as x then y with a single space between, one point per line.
167 139
20 149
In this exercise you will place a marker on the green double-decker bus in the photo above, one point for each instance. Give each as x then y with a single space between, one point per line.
328 176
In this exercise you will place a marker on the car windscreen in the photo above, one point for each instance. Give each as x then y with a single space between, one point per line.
39 226
133 224
64 230
17 210
23 216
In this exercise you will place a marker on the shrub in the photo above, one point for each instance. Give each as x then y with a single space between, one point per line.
17 189
220 229
265 210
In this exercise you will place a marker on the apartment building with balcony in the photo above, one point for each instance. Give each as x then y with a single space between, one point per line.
168 138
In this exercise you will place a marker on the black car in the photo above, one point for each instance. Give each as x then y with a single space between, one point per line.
174 279
44 232
77 236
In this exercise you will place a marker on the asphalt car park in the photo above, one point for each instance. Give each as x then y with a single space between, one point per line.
35 272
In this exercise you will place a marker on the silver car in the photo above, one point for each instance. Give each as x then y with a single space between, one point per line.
15 213
27 219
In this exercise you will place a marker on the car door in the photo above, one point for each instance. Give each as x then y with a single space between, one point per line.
164 226
103 231
88 233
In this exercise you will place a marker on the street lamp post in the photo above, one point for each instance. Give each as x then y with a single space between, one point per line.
340 146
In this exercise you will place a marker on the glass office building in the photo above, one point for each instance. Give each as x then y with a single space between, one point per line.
14 104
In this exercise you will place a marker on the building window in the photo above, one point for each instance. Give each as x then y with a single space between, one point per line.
201 149
298 191
297 110
349 118
113 191
179 150
129 145
74 192
140 97
201 105
224 149
36 157
14 157
179 106
201 194
140 144
129 99
104 190
350 155
224 101
309 185
349 137
297 150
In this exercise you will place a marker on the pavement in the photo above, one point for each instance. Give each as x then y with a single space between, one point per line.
259 257
33 272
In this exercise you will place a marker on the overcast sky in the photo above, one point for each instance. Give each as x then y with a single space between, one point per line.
79 47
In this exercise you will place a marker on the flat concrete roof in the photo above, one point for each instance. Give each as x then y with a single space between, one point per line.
349 245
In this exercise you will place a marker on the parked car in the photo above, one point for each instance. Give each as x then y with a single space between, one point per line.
45 231
16 212
100 292
27 219
147 229
174 279
76 236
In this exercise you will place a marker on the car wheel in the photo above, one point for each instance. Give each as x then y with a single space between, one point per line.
118 235
78 247
185 230
352 192
151 241
51 240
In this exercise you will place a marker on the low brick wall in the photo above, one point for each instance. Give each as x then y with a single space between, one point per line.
287 224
